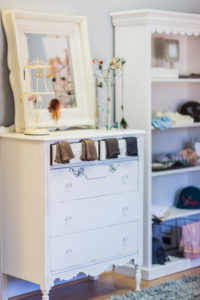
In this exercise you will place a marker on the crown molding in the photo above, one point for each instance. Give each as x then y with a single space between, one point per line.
159 21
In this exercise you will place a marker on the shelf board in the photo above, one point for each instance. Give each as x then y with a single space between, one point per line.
177 126
175 171
173 260
179 80
176 264
180 213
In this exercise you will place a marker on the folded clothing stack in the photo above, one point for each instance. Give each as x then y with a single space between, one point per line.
190 157
162 123
185 158
176 117
164 73
164 120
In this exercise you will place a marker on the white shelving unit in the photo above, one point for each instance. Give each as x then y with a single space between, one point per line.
136 36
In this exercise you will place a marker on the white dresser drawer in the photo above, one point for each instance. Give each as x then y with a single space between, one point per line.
102 211
92 246
90 181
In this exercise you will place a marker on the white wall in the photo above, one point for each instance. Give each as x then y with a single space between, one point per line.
100 30
101 43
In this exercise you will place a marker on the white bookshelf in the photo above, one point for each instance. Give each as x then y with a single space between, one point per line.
136 36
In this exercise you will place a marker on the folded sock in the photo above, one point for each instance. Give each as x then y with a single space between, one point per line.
131 146
89 151
63 152
112 148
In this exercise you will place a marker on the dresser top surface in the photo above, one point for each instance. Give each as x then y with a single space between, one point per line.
75 135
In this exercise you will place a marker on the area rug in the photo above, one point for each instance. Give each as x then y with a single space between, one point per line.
187 288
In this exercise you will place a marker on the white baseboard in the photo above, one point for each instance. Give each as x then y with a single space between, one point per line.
156 271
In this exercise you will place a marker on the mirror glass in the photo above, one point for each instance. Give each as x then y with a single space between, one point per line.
54 76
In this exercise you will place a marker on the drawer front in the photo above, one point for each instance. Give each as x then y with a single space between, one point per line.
91 181
84 214
89 247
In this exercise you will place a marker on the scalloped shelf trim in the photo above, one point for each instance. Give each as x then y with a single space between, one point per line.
175 31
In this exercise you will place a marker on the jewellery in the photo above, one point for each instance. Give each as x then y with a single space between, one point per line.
39 74
49 75
108 76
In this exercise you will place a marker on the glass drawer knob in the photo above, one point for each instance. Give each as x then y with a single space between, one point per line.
68 185
125 208
125 239
113 168
68 251
68 218
125 179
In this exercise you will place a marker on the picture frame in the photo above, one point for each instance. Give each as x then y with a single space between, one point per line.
71 31
171 51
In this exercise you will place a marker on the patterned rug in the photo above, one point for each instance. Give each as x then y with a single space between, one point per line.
187 288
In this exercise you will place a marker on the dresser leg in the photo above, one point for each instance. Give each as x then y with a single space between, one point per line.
45 295
93 277
138 277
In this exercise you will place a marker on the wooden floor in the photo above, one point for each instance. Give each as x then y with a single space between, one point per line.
108 284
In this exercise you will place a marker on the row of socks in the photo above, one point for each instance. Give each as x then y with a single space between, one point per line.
112 147
89 153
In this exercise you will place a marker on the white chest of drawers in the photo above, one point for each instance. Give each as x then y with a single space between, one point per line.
61 220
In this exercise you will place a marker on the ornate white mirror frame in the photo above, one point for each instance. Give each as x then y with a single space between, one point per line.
18 24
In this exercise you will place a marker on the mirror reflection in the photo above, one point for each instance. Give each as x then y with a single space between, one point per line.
54 76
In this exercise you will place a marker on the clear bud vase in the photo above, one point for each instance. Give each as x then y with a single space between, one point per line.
97 105
109 100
